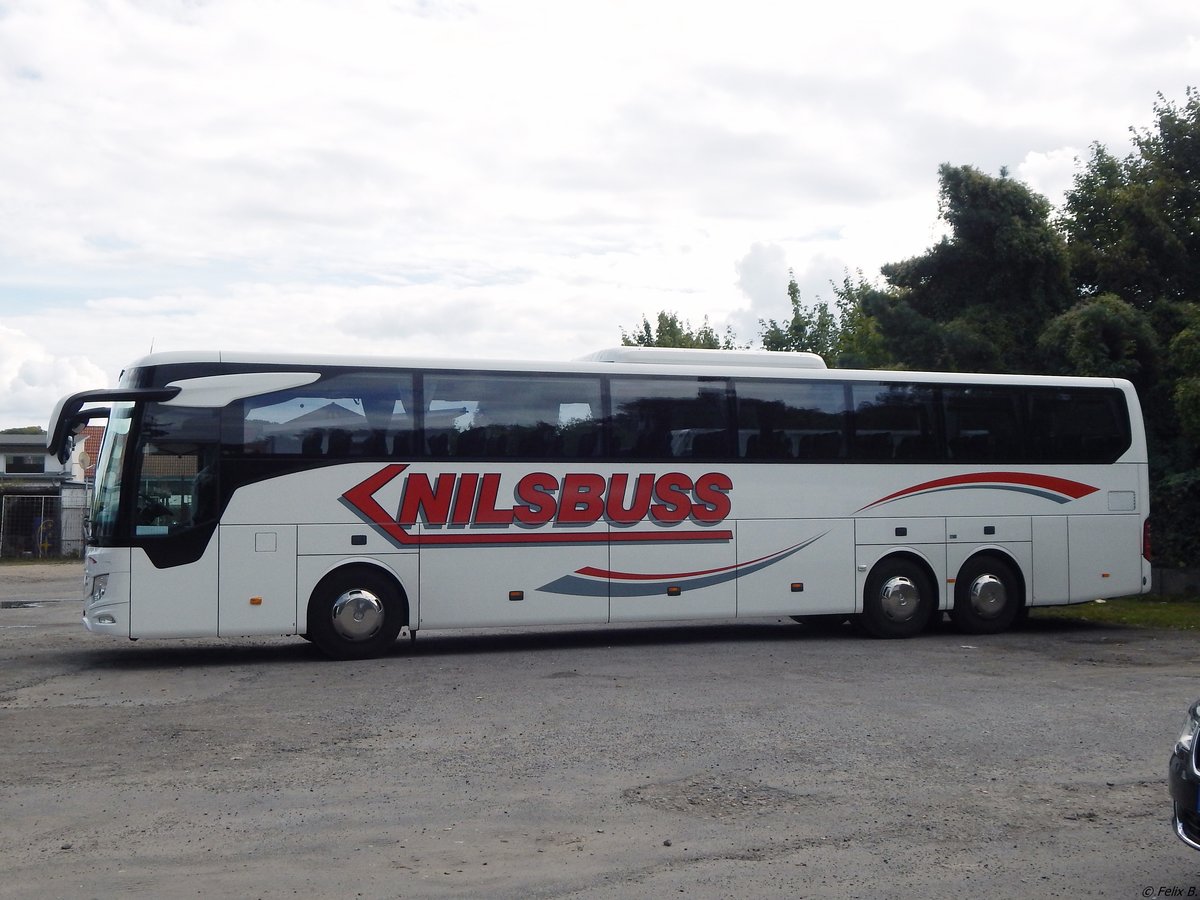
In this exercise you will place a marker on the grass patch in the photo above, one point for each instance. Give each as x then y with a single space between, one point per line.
1179 613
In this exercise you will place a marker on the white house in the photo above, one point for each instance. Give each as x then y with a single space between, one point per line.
42 501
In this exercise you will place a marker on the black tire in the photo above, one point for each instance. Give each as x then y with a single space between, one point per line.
898 599
355 613
988 596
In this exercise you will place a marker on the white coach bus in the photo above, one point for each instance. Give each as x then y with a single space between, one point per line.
344 499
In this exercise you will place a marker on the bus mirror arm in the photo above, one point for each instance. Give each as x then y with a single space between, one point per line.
70 418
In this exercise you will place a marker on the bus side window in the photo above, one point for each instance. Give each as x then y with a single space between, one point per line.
801 420
982 423
1080 425
668 418
177 484
530 416
343 416
894 421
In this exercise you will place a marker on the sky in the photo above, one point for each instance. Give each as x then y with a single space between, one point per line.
515 179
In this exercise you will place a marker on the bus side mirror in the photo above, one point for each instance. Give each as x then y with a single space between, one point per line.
73 427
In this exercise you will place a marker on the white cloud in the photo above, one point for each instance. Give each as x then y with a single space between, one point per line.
515 179
32 378
763 275
1052 173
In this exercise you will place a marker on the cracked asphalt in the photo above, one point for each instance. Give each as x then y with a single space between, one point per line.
763 759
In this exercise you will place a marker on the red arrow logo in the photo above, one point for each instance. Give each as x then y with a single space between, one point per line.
361 499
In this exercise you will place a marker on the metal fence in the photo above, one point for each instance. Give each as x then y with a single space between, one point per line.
41 526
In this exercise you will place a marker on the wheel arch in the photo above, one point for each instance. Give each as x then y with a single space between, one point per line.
1002 554
917 559
341 568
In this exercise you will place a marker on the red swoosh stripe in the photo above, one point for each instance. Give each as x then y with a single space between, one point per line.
1063 486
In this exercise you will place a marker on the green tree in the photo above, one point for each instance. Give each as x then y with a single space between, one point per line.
1165 176
1133 226
845 336
1102 336
812 330
670 331
1102 256
972 301
1184 358
25 429
860 345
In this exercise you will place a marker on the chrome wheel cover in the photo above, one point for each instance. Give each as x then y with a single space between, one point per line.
988 596
899 598
357 615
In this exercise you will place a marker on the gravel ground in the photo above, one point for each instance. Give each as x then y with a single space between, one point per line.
41 581
762 759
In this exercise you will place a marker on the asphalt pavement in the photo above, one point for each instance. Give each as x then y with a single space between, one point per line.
755 759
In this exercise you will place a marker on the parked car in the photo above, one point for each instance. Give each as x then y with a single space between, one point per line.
1183 775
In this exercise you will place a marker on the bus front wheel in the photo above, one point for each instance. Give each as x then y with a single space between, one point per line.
355 614
898 599
987 596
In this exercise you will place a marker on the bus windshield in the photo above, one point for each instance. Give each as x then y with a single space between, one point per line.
106 502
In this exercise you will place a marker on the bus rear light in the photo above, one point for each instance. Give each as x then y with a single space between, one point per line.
1147 554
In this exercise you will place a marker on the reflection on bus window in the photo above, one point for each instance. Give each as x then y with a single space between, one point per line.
894 421
791 420
341 417
983 423
110 467
177 482
670 418
514 416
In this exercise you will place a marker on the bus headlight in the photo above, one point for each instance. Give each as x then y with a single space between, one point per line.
99 587
1187 738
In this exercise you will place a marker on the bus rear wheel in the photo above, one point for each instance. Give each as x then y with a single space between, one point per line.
355 614
898 599
987 596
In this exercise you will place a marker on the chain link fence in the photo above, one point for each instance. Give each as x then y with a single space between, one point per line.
42 526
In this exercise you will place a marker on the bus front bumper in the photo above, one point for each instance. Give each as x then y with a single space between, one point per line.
106 604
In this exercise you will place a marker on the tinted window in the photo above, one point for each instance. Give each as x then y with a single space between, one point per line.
482 415
477 414
670 418
25 465
894 421
1078 425
791 420
177 469
983 423
341 416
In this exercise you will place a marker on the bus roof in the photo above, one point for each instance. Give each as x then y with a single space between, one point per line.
679 356
710 363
